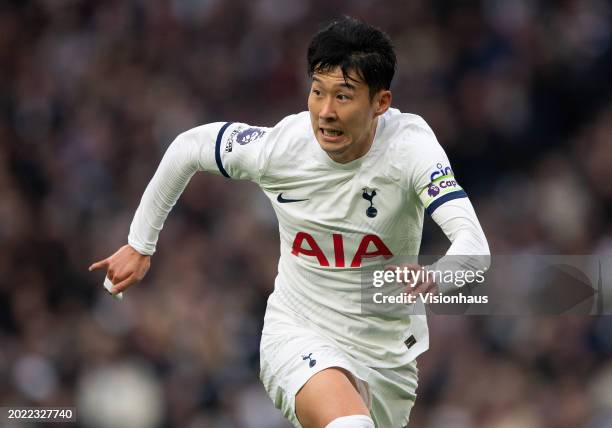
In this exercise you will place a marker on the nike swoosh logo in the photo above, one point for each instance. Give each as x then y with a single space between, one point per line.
282 200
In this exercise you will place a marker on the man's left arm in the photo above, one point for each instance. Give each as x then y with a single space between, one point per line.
469 250
468 256
432 179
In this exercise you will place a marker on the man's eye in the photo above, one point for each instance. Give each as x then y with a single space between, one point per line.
316 92
342 97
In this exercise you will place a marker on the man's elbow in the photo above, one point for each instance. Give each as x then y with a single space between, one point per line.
476 250
484 253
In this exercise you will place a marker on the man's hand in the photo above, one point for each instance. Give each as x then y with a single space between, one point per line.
124 268
417 280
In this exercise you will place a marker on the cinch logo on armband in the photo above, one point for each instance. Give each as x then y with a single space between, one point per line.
440 171
443 188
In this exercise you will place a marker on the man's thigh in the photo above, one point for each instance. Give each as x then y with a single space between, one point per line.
330 394
393 394
299 364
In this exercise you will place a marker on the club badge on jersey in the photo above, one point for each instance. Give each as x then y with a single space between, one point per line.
369 196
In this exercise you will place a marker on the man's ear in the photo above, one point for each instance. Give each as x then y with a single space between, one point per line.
382 102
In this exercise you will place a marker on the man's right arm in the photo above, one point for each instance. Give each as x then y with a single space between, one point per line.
191 151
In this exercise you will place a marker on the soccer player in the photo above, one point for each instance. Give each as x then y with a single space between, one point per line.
350 181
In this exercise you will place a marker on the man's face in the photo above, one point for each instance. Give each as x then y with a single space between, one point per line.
342 114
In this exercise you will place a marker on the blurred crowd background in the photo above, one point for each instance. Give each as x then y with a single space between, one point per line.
92 92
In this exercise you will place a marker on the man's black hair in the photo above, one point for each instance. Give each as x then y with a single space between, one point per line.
356 47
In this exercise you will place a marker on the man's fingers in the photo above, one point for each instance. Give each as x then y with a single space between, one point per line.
423 287
409 273
98 265
124 268
121 286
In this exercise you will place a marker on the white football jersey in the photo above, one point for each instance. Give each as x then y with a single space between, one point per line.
335 219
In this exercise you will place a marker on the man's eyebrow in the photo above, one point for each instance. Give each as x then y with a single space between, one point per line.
345 84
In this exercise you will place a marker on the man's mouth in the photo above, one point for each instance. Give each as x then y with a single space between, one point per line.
329 132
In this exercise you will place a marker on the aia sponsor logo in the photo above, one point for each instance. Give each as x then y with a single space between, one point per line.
370 246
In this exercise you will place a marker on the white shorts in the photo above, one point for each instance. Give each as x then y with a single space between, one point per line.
291 352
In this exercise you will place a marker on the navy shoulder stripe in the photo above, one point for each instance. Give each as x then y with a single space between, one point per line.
448 197
218 149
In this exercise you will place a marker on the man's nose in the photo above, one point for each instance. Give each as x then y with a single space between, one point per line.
328 109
